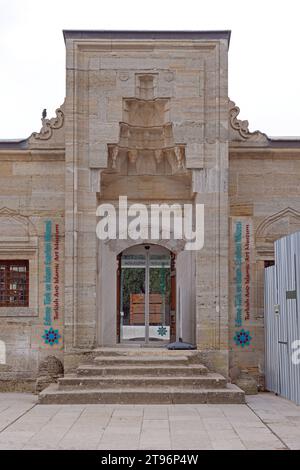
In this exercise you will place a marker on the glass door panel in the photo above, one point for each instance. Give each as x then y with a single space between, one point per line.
159 297
132 298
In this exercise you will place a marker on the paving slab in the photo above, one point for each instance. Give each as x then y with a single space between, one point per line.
265 422
280 415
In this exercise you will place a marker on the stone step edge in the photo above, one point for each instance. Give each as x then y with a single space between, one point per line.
153 381
208 376
165 395
143 358
127 371
143 366
123 351
53 389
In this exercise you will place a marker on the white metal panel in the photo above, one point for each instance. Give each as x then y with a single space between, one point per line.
271 330
282 287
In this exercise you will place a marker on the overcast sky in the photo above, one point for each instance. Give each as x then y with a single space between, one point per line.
264 53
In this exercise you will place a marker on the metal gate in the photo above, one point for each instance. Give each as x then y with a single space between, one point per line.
282 319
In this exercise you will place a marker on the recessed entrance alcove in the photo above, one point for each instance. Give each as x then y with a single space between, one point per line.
151 302
146 295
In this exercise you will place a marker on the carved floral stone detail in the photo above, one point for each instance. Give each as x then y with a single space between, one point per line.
48 125
242 127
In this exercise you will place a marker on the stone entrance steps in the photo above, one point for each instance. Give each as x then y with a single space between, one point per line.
142 377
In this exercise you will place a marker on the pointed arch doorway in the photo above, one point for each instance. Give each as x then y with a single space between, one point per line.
146 295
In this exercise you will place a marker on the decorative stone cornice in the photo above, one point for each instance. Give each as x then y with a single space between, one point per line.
48 125
239 130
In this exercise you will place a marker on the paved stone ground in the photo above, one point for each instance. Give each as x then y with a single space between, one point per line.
266 422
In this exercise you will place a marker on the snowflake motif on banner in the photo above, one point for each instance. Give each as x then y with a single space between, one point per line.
242 338
51 336
162 331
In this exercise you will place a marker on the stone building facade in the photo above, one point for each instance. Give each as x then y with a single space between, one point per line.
146 115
